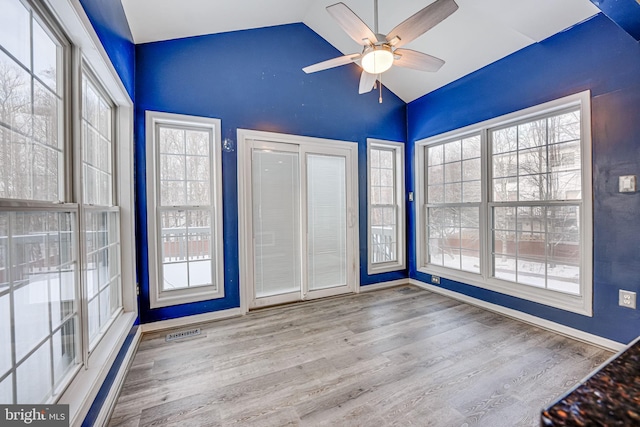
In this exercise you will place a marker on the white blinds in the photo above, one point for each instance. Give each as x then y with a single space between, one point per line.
327 213
276 222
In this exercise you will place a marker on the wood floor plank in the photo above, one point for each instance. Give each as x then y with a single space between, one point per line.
394 357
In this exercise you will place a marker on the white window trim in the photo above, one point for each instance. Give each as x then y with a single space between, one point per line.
581 304
88 379
400 263
158 297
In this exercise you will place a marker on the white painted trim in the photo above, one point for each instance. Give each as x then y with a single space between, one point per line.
157 296
114 392
191 320
383 285
399 189
303 145
558 328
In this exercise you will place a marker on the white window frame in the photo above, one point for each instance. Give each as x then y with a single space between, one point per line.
581 304
67 17
158 296
399 195
85 208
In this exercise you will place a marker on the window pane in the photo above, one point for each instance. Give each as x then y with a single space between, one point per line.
505 189
505 165
565 127
64 350
452 151
471 261
383 234
435 174
532 272
471 147
5 337
452 172
505 268
97 147
504 140
30 124
102 269
198 143
185 167
31 309
172 141
532 134
453 231
435 155
34 377
14 30
564 278
200 273
6 390
472 192
200 239
45 56
175 276
453 193
471 170
565 185
435 194
46 121
532 161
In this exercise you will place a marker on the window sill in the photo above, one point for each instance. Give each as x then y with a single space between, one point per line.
579 304
185 296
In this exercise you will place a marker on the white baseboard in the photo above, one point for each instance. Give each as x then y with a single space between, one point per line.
191 320
114 392
577 334
383 285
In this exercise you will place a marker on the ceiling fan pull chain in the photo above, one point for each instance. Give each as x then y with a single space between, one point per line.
380 99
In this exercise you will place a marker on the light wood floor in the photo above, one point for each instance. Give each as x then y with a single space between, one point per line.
396 357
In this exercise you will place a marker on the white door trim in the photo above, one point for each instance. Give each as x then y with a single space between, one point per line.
307 144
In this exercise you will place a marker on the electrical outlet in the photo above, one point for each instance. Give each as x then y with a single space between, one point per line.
436 280
627 299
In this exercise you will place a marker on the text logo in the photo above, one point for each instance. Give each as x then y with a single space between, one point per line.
34 415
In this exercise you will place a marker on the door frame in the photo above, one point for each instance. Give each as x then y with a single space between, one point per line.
245 240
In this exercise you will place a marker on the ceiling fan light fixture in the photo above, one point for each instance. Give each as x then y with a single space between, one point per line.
377 59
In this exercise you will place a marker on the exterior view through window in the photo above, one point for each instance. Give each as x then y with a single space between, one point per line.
506 204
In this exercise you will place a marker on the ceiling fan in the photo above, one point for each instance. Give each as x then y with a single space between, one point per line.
381 51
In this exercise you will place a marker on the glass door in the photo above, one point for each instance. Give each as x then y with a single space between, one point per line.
275 188
302 223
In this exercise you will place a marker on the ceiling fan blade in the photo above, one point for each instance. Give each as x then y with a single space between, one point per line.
367 80
417 60
331 63
352 24
418 24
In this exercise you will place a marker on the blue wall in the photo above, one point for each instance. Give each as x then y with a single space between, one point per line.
253 79
110 23
625 13
595 55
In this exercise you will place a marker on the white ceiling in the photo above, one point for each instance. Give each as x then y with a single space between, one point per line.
478 33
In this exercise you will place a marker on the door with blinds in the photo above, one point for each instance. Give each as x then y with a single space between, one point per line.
299 217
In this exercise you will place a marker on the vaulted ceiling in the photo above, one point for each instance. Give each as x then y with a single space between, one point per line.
479 33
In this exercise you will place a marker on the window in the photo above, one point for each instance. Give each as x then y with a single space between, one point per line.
101 215
39 321
62 305
386 206
453 203
506 204
185 208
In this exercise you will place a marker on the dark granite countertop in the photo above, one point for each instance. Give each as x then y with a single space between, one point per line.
608 397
